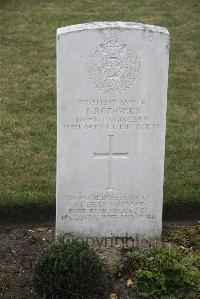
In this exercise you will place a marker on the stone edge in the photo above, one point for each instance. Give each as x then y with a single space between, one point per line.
105 25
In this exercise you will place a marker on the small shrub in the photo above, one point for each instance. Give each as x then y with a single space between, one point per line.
68 271
165 271
116 271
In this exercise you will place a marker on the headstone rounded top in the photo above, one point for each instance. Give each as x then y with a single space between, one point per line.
111 105
105 25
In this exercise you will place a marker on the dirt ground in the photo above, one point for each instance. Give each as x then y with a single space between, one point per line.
20 245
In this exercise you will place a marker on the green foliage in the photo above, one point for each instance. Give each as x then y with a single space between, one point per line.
168 297
68 271
184 236
175 236
165 271
116 271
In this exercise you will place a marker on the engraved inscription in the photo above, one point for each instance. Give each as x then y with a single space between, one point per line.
116 114
109 156
108 206
113 66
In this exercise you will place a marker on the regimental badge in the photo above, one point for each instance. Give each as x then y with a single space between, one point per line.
113 66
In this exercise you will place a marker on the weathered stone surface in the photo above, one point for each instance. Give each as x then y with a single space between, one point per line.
111 101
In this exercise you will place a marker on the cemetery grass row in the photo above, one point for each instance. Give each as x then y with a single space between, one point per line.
28 93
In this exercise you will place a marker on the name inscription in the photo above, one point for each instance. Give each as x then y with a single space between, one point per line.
119 114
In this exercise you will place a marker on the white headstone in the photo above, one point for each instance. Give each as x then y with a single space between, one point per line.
111 117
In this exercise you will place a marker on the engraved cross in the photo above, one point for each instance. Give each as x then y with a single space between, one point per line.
110 155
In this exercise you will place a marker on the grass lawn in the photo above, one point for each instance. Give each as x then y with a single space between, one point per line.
28 93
